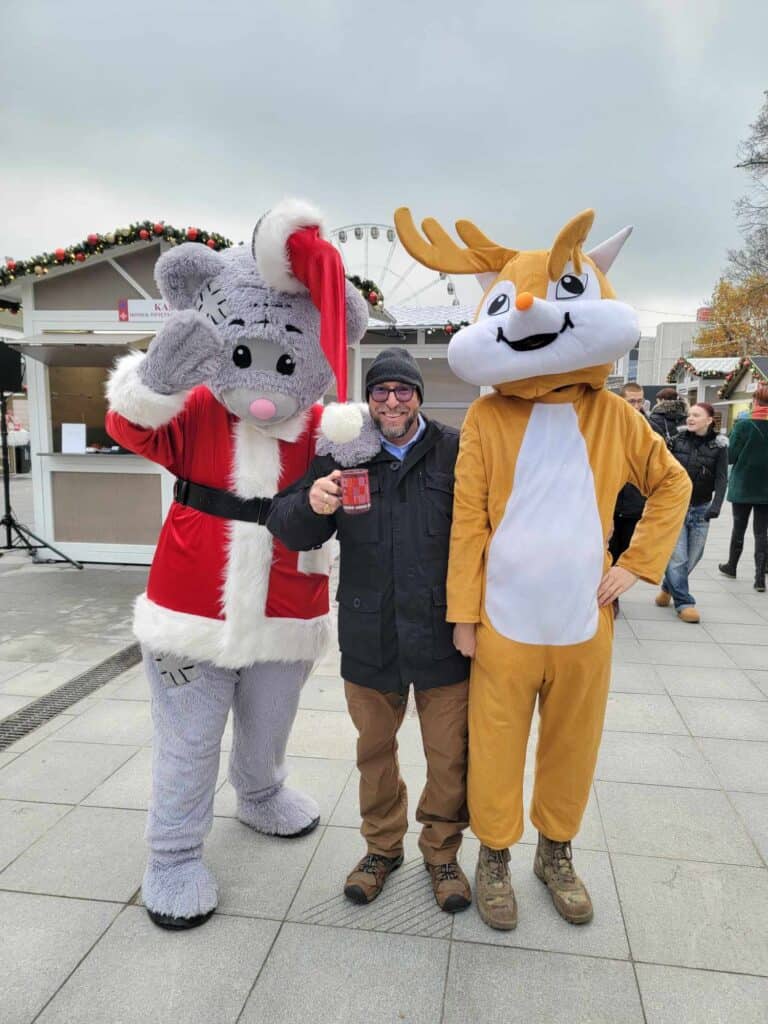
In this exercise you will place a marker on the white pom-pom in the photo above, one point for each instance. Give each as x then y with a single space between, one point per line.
341 422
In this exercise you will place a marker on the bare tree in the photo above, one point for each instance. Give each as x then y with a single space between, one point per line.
752 208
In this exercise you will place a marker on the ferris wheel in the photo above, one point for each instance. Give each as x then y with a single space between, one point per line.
374 252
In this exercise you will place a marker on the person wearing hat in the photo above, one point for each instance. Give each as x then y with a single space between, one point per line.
393 632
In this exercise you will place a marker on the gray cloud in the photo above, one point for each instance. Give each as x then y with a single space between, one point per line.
514 116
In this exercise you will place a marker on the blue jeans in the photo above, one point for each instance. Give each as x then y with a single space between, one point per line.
686 556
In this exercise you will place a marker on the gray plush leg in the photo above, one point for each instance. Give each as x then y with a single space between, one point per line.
190 703
264 707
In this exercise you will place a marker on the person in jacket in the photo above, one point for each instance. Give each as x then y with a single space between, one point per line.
630 502
393 632
704 454
669 414
748 486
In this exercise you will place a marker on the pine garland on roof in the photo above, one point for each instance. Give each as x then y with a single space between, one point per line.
93 244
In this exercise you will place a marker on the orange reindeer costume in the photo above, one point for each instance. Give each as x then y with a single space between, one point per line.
541 461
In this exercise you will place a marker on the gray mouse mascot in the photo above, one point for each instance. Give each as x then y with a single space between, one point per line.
225 398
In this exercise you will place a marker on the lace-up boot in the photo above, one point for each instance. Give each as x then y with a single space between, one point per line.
368 876
553 864
450 886
495 896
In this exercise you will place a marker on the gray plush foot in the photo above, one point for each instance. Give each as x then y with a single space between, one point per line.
178 895
286 813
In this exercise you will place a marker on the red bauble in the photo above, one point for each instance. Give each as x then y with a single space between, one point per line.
373 298
211 244
80 257
93 239
10 264
448 329
192 234
143 234
158 228
59 254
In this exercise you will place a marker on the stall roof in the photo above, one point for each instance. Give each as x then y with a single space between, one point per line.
79 349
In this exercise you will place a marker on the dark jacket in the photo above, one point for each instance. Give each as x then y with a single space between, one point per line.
706 461
748 454
667 416
630 502
394 560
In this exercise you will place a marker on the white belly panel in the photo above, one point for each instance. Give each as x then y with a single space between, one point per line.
545 560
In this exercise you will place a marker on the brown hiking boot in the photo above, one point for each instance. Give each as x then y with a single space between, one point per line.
663 599
450 886
495 896
553 864
689 614
368 876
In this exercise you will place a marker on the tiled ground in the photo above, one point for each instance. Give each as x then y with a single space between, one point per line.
674 847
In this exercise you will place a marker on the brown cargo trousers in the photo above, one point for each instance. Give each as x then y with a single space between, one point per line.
442 809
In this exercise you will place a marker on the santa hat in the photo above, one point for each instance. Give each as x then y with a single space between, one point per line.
294 256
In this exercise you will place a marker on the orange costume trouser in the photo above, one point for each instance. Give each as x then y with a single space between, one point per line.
571 684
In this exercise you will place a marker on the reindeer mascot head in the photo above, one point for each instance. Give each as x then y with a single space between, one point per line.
541 462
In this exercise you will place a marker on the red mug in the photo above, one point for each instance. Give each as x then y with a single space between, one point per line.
355 491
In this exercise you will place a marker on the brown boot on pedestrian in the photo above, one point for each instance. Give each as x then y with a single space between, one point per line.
689 614
553 865
368 876
663 599
450 886
495 896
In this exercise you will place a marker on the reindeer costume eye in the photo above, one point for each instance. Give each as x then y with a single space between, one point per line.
570 286
499 305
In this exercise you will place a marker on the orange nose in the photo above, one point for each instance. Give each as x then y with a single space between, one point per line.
524 301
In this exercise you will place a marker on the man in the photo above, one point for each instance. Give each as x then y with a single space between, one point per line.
630 502
392 628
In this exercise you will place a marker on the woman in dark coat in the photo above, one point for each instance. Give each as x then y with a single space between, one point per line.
748 486
704 454
668 416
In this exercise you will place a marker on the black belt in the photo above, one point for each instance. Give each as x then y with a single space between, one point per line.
221 503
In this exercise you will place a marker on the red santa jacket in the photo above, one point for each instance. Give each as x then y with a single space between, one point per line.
221 590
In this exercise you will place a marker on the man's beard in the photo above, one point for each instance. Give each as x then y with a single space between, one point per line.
394 433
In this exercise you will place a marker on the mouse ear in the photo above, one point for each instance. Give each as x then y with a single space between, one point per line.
181 272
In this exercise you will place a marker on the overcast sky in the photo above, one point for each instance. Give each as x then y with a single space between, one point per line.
514 115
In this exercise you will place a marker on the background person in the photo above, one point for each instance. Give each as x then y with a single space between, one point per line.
704 454
630 502
668 415
748 486
392 628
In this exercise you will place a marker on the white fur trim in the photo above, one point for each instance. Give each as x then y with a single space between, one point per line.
270 239
342 422
128 395
165 631
289 430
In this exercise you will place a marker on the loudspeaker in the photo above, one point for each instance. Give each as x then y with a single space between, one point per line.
10 369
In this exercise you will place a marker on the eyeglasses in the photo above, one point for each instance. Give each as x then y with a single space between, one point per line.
403 392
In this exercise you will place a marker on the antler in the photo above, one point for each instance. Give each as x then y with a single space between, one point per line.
440 252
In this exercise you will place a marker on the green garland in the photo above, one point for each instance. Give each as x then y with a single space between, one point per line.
451 328
745 363
368 289
93 244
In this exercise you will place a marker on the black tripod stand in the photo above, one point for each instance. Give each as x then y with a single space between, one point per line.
23 536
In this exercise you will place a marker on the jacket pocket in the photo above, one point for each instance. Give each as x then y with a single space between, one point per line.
360 625
442 631
438 490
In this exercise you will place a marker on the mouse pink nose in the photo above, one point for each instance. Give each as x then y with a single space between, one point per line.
263 409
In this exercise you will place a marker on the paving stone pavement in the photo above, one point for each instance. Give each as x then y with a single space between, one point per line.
674 846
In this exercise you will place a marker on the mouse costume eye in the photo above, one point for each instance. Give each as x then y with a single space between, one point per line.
570 286
241 357
499 305
285 365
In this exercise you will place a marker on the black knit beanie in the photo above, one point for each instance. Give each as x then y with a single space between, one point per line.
395 364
